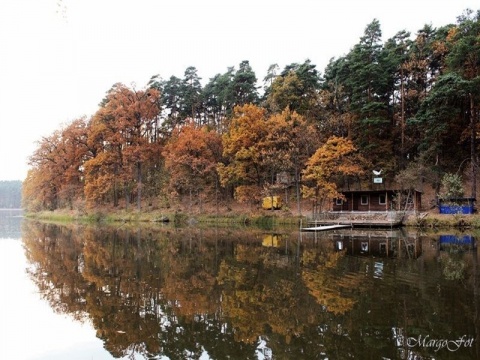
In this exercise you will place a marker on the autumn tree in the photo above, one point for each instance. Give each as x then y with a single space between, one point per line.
334 160
191 157
42 183
266 154
36 194
124 133
245 169
56 177
74 152
290 141
103 173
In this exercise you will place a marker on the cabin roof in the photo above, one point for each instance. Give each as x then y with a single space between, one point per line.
374 191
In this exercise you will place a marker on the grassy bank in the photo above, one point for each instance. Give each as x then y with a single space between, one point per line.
264 219
100 216
179 218
434 220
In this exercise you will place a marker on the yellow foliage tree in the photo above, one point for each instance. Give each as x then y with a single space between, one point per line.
337 158
241 146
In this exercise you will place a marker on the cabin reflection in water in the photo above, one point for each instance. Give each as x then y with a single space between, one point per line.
394 243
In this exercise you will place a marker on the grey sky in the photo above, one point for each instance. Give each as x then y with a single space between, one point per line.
59 57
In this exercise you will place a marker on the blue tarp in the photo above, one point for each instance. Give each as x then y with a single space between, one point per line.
456 209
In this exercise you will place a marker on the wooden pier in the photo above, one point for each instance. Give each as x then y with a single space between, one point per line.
325 227
357 219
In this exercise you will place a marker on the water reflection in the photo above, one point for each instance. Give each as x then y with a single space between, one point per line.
10 220
249 294
460 242
392 243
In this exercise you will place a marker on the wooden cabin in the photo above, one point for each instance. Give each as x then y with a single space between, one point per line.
371 208
378 200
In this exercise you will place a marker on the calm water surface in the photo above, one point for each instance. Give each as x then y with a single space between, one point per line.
82 292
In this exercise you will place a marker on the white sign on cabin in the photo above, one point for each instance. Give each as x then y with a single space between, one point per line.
377 180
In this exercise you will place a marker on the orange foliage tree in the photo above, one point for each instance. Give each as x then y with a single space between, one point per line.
75 151
124 131
260 147
56 177
191 157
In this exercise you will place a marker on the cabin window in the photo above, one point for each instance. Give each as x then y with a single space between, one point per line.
382 199
364 200
338 202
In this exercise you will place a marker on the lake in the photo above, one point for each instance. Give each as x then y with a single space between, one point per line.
160 292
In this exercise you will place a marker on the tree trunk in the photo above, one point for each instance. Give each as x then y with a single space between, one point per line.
139 185
115 191
473 155
190 200
297 190
127 197
402 118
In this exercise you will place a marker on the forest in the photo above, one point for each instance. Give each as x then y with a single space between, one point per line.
408 106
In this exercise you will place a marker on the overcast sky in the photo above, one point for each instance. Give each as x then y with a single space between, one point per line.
59 57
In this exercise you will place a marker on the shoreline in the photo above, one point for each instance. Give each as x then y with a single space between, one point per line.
421 220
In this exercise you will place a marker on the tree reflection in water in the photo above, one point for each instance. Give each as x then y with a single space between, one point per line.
228 293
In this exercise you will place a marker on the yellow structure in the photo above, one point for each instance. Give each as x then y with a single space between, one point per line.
272 202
